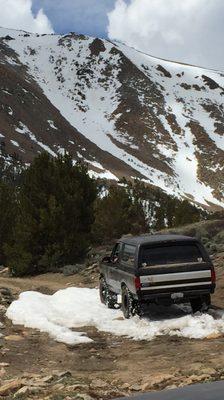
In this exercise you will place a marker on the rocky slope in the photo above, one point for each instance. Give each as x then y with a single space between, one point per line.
124 112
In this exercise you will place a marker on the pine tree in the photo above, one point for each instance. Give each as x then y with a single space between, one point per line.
116 214
7 216
55 215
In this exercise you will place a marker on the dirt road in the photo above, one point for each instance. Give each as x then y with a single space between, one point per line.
110 366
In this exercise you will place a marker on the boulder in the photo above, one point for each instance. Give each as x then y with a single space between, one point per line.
6 296
10 387
154 381
69 270
136 388
99 384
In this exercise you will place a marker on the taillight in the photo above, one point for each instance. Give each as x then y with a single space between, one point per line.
137 283
213 275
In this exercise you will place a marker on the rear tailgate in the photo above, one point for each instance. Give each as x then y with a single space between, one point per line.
174 278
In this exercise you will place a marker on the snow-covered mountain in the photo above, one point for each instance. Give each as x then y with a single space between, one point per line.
125 112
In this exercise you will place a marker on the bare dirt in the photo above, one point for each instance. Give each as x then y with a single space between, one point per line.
110 366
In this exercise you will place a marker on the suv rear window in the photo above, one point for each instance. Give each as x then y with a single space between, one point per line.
173 254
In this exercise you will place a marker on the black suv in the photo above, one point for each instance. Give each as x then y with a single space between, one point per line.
161 269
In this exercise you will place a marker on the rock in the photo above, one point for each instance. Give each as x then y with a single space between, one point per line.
214 336
10 387
208 371
58 387
83 396
64 374
76 386
4 364
136 387
194 379
69 270
22 392
125 386
155 381
3 309
47 379
3 270
200 369
99 384
6 296
173 386
27 390
14 338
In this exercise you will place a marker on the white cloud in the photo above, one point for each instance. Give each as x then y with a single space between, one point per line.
185 30
17 14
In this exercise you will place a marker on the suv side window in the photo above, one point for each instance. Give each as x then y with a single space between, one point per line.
116 253
128 255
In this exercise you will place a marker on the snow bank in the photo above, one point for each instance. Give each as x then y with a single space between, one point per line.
81 307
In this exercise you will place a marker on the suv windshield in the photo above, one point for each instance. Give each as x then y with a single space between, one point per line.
172 254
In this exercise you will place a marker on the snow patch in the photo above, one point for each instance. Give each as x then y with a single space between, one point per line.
52 125
25 131
81 307
14 143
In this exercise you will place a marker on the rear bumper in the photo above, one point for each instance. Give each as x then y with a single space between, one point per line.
156 296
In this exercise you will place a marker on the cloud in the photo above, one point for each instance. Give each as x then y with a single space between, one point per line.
183 30
82 16
17 14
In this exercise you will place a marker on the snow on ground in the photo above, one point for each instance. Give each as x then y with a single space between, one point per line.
24 130
81 307
14 143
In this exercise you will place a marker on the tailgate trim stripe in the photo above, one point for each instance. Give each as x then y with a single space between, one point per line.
175 276
176 286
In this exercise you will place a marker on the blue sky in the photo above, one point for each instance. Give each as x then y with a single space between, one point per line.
82 16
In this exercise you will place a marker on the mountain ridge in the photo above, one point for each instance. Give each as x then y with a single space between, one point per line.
124 112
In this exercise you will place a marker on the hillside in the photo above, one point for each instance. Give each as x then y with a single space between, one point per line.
122 111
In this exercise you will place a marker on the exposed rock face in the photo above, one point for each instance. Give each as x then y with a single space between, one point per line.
124 112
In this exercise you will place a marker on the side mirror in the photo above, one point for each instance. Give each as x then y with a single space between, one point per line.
106 260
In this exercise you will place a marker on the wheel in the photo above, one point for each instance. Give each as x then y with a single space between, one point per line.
129 305
103 291
200 304
107 297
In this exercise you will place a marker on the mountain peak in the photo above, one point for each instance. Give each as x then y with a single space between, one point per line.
124 112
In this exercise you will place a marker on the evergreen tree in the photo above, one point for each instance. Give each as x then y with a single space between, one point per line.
116 214
54 217
7 216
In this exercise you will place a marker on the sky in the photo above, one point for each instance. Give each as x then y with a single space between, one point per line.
189 31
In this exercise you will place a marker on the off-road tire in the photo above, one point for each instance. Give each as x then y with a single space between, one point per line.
129 305
200 304
106 296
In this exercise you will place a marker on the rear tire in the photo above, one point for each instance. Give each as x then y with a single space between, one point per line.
106 296
200 304
129 305
103 291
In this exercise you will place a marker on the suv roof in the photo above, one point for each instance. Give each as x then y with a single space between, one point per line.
149 239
